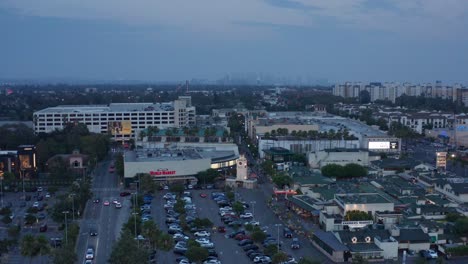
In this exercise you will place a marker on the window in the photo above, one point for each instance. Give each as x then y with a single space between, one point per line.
76 164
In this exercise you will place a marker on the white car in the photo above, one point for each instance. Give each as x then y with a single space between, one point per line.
254 223
207 245
202 234
212 261
36 204
180 236
118 205
140 237
90 253
202 240
246 215
431 254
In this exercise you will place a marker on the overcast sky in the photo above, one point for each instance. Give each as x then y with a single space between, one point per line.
381 40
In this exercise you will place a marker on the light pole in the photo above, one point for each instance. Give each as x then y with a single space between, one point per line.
72 195
253 209
66 226
134 217
2 188
22 176
278 242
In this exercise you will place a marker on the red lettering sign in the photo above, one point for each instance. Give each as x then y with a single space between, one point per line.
162 172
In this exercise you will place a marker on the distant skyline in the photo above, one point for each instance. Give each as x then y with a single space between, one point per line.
169 41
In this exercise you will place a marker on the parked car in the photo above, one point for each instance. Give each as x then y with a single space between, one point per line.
43 228
202 234
246 215
123 194
429 254
89 253
245 242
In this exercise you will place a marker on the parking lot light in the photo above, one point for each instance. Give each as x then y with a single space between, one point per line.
253 209
278 242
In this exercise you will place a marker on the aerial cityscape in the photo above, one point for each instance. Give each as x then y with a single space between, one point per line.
207 132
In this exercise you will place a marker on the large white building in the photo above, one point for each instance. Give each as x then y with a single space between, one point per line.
177 161
121 120
318 159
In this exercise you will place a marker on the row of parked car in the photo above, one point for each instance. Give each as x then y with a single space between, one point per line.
200 236
252 250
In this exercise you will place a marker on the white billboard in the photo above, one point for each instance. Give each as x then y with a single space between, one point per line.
379 144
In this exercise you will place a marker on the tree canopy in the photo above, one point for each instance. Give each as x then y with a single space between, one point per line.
350 170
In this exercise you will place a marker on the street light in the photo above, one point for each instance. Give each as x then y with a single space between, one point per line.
2 175
278 244
134 218
22 176
66 226
72 195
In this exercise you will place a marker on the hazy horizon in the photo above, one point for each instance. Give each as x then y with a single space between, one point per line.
169 41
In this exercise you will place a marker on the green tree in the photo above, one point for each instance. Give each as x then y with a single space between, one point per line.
258 235
452 217
58 168
119 165
28 247
42 245
356 215
165 242
281 180
177 188
238 207
147 183
354 170
126 251
179 206
151 232
333 170
461 226
279 257
207 176
14 231
65 255
271 250
196 253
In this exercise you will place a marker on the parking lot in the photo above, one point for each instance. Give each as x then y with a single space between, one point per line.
43 224
227 248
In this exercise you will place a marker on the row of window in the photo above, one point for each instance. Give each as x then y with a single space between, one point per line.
108 114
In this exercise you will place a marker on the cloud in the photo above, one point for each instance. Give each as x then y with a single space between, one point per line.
415 17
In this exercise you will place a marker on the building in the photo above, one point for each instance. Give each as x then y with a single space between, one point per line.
318 159
76 162
366 202
121 120
456 191
21 162
177 162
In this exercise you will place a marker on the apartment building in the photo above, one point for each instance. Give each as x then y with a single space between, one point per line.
392 90
121 120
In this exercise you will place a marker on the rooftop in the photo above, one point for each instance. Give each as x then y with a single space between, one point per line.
115 107
371 198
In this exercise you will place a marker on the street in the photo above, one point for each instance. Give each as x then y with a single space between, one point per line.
106 220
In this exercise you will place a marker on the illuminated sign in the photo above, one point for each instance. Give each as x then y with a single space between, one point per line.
393 144
120 127
357 224
379 145
162 172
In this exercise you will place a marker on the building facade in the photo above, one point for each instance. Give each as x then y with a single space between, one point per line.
121 120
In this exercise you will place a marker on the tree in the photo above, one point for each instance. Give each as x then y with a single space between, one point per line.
177 188
207 176
258 235
179 206
147 183
350 170
461 226
28 247
333 170
126 251
281 180
354 170
452 216
42 245
65 255
238 207
356 215
58 168
196 253
279 257
151 232
271 250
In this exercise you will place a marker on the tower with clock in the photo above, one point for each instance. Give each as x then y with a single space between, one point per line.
242 170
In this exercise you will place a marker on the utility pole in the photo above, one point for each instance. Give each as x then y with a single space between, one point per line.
22 176
2 189
278 241
134 218
66 226
72 195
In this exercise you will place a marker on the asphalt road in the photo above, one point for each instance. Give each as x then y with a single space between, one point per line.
106 220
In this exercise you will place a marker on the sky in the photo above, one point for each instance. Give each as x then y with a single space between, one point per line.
156 40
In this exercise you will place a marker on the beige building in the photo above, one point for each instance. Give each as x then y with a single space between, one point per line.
318 159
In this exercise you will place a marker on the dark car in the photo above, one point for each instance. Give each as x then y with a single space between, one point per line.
287 233
295 243
56 242
93 232
212 253
123 194
250 247
221 229
40 198
235 233
43 228
96 200
245 242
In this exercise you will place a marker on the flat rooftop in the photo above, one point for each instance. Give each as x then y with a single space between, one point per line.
115 107
180 154
327 122
372 198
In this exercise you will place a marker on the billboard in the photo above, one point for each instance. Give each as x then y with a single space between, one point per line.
379 144
441 160
120 127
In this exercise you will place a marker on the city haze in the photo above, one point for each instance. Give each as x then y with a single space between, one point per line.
356 40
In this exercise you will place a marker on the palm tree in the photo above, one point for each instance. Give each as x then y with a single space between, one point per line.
42 245
28 247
